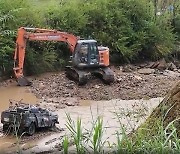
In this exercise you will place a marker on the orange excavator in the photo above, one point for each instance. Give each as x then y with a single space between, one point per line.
87 58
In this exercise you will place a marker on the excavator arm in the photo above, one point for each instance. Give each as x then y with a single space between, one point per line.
25 34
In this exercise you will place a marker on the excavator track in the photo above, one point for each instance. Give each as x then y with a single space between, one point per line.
79 76
82 77
105 73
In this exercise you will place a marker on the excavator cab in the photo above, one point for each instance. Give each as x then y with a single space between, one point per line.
89 59
86 54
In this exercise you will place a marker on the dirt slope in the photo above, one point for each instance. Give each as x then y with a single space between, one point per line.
169 108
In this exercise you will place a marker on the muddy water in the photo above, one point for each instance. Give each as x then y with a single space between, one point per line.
17 93
132 114
13 92
6 142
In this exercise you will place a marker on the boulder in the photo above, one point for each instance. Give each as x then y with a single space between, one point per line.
171 73
143 65
162 65
129 68
146 71
177 63
171 66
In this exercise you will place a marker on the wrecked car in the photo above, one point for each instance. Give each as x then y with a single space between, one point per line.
27 118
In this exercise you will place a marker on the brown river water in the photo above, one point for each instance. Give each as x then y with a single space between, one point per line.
15 93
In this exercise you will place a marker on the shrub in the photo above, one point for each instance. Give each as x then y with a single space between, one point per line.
13 14
128 27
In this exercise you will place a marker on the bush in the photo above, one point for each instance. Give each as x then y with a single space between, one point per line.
13 14
45 56
126 26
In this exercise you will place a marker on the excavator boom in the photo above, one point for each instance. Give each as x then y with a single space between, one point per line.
38 34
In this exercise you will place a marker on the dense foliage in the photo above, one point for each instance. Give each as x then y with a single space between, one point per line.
13 14
129 27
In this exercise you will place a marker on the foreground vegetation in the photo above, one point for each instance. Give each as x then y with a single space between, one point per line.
159 134
165 140
131 28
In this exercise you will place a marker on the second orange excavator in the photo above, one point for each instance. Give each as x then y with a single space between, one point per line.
87 58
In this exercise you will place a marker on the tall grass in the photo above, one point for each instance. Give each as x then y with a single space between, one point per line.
65 144
85 139
97 136
76 132
143 140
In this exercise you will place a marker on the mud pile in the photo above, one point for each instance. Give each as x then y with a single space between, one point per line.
132 85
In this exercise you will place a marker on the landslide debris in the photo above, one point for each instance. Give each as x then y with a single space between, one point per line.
132 85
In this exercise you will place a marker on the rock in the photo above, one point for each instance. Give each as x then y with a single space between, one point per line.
67 95
162 65
126 69
41 86
118 80
171 73
55 100
146 71
129 68
96 86
53 85
70 86
121 68
60 106
143 65
177 63
171 66
71 102
137 77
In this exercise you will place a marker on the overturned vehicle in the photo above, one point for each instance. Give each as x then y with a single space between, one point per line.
27 118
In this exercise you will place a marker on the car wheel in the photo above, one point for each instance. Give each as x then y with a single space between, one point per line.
6 128
53 124
31 129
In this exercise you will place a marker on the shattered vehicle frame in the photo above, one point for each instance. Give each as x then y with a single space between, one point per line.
27 118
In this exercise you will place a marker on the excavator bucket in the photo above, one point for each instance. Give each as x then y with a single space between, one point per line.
22 81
